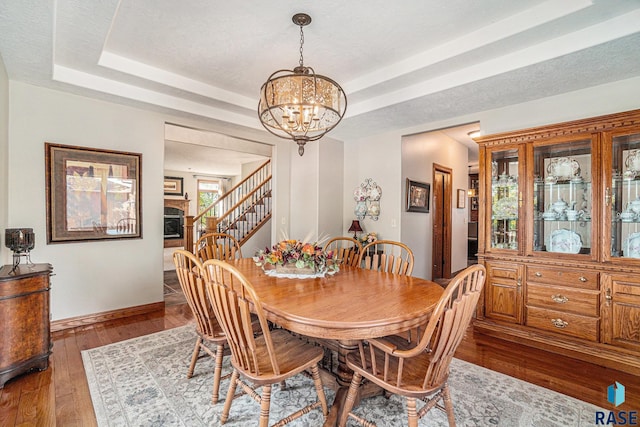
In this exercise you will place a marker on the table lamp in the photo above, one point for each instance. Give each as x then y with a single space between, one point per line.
21 241
355 227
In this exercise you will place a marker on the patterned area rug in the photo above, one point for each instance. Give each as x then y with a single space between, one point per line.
142 382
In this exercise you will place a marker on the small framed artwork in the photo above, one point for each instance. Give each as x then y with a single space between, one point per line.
173 186
418 194
462 196
92 194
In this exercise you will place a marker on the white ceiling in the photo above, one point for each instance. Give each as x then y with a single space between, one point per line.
401 64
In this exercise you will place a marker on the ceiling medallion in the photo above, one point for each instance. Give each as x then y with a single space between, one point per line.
299 104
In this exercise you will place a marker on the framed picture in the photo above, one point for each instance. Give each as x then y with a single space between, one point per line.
462 196
418 194
173 186
92 194
474 203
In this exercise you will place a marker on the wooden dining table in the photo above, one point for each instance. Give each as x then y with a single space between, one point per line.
339 310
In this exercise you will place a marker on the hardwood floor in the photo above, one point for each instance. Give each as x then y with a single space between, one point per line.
60 395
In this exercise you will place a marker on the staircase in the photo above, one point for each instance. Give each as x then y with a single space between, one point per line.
239 212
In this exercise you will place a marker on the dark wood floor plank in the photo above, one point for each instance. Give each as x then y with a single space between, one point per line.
9 399
582 380
37 402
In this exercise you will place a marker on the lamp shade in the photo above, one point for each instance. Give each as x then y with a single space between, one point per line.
355 227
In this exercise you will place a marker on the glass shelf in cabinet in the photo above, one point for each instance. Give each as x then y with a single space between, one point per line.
562 220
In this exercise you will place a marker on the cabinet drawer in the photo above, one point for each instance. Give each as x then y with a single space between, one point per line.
10 289
502 271
578 301
562 277
563 323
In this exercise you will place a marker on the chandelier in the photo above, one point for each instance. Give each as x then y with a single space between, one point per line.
299 104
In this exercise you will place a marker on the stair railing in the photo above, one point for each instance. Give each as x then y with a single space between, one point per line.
230 210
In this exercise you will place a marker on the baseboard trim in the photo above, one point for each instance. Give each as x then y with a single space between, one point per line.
74 322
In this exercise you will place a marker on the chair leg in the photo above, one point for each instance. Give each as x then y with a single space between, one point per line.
265 402
194 357
350 400
230 393
448 405
315 373
217 373
411 410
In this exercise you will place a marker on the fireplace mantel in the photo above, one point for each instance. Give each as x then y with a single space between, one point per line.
181 204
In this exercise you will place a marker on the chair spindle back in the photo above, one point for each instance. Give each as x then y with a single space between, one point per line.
233 297
218 246
346 249
387 256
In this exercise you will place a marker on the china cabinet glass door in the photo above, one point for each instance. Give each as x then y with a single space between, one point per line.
506 199
623 197
562 198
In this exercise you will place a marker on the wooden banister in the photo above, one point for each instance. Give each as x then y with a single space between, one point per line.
240 200
232 190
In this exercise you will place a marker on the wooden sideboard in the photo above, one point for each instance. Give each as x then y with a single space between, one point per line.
24 315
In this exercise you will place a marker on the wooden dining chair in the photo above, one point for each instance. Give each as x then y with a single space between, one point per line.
264 359
387 256
190 275
419 370
345 249
217 246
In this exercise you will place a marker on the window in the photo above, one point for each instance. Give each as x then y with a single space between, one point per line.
208 192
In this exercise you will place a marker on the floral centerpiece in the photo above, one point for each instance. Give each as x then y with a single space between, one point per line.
368 238
297 257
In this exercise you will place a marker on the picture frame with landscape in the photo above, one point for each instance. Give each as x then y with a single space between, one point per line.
173 186
92 194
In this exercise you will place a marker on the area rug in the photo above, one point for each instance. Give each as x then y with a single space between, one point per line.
142 382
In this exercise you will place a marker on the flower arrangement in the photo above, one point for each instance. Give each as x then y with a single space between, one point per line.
368 238
297 254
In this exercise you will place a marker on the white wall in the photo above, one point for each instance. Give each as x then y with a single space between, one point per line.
330 182
91 277
248 168
304 182
419 153
380 157
316 190
4 159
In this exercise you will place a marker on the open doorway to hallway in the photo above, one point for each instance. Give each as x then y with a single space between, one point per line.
443 159
441 253
205 162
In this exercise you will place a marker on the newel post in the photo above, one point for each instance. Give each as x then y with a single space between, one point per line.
188 233
212 224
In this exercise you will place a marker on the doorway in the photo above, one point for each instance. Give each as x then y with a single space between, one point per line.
441 251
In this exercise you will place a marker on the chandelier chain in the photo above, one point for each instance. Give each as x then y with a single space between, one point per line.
301 44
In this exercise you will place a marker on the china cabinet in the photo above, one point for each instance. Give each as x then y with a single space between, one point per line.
560 238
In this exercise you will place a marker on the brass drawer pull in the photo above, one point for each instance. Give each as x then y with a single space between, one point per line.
538 274
583 279
560 299
559 323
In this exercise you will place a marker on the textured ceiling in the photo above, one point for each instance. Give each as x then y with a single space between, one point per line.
401 64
